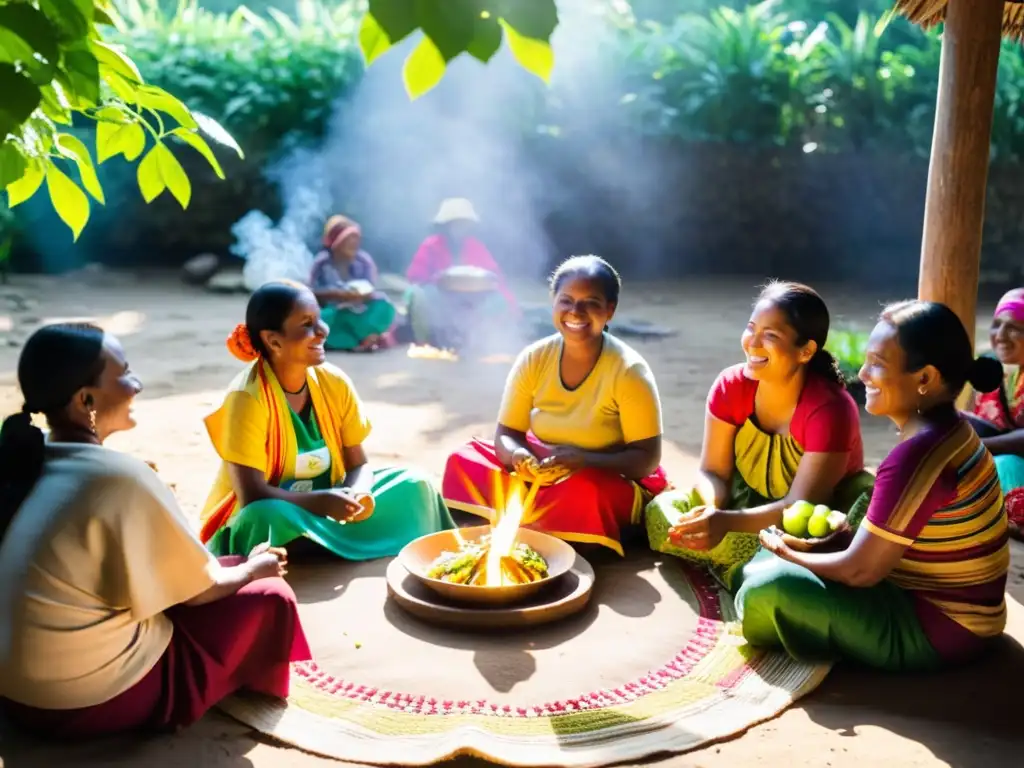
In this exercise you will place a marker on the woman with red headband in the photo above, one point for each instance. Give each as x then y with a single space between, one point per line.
343 279
999 416
290 432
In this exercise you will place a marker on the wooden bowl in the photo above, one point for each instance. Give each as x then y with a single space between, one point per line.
809 545
467 279
418 556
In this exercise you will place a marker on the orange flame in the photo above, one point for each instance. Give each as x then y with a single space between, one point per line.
505 529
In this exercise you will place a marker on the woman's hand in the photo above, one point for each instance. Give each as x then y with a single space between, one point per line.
267 564
772 540
525 464
701 529
348 507
564 457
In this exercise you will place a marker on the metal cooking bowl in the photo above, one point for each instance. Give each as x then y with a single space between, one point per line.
467 279
419 555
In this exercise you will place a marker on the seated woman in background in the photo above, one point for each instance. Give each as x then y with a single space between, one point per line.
998 416
580 416
290 432
922 582
343 278
779 428
439 315
113 616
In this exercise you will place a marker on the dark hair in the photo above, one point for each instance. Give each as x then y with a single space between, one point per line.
268 308
56 362
930 333
588 268
806 314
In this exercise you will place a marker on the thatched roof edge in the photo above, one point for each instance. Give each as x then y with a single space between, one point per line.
928 13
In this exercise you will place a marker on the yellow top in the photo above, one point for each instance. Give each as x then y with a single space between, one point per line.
252 427
616 404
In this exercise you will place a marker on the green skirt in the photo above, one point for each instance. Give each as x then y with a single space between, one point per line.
784 606
665 510
407 506
349 329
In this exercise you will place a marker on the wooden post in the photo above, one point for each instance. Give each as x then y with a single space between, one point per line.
958 169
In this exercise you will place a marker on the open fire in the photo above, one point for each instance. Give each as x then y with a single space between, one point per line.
498 559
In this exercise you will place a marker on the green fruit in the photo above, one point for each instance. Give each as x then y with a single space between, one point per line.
818 526
795 518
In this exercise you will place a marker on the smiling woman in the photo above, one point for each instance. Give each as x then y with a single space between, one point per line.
580 416
779 428
290 432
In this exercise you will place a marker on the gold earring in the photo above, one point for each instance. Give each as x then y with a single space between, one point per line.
92 421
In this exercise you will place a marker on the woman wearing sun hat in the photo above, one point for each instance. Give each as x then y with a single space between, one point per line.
440 310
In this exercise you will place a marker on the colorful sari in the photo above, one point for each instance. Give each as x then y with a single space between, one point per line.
766 465
255 427
1004 410
588 506
937 494
444 318
353 323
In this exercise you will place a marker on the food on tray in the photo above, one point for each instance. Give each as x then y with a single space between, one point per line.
468 564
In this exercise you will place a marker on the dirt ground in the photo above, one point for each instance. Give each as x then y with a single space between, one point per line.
421 409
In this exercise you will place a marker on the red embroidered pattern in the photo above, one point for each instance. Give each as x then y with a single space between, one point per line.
703 640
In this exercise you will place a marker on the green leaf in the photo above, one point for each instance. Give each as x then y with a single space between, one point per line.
5 248
72 18
216 131
112 139
115 59
22 189
449 23
157 99
83 73
198 143
72 148
533 55
68 200
423 68
151 183
26 23
173 175
55 103
534 19
397 18
373 41
12 164
486 39
19 100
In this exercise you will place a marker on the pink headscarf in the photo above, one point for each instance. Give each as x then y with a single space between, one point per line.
1012 304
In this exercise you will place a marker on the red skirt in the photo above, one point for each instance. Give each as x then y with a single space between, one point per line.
589 506
245 641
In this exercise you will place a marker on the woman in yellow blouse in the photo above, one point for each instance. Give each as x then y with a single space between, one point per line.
580 418
290 432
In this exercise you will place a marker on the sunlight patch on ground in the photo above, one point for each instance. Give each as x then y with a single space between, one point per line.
123 323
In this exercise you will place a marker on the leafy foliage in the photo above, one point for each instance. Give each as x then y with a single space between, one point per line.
453 27
55 67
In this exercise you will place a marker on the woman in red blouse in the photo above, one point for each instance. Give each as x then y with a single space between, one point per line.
779 428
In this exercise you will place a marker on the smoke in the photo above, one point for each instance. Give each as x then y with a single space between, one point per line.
528 156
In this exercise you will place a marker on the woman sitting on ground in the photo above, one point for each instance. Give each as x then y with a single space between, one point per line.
778 429
290 432
343 279
922 582
444 317
113 616
580 417
998 416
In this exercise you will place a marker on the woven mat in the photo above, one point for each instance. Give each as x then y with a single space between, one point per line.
654 665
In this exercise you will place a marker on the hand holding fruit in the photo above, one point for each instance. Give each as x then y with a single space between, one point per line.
804 520
702 528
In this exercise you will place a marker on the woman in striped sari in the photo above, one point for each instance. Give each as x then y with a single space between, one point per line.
921 584
290 432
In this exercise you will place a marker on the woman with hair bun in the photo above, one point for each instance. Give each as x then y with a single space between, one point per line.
290 433
922 582
779 428
113 616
